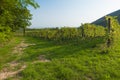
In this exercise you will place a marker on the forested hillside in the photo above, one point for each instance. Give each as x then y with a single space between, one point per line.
102 20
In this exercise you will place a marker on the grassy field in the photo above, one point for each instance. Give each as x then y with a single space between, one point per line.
6 55
47 60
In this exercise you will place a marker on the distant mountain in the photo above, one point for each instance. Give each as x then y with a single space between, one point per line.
102 20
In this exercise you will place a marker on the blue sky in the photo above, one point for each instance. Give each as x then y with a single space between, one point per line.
59 13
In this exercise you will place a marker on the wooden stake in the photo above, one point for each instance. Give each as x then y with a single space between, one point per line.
82 31
109 27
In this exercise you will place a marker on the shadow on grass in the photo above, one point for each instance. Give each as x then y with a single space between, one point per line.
55 51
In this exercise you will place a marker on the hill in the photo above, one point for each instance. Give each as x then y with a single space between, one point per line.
102 21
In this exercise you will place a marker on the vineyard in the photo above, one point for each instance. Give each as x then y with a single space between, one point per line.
87 52
67 33
85 31
66 53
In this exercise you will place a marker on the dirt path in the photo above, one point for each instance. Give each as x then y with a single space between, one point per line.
20 47
14 67
10 69
41 58
9 73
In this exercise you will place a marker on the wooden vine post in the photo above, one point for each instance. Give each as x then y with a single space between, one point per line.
82 31
109 28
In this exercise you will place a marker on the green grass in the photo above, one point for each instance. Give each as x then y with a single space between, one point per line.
6 54
72 61
81 60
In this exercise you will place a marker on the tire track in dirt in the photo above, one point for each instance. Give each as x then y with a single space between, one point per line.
10 71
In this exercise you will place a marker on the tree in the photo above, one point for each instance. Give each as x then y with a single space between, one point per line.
14 14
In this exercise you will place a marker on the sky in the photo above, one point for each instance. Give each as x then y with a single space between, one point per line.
71 13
